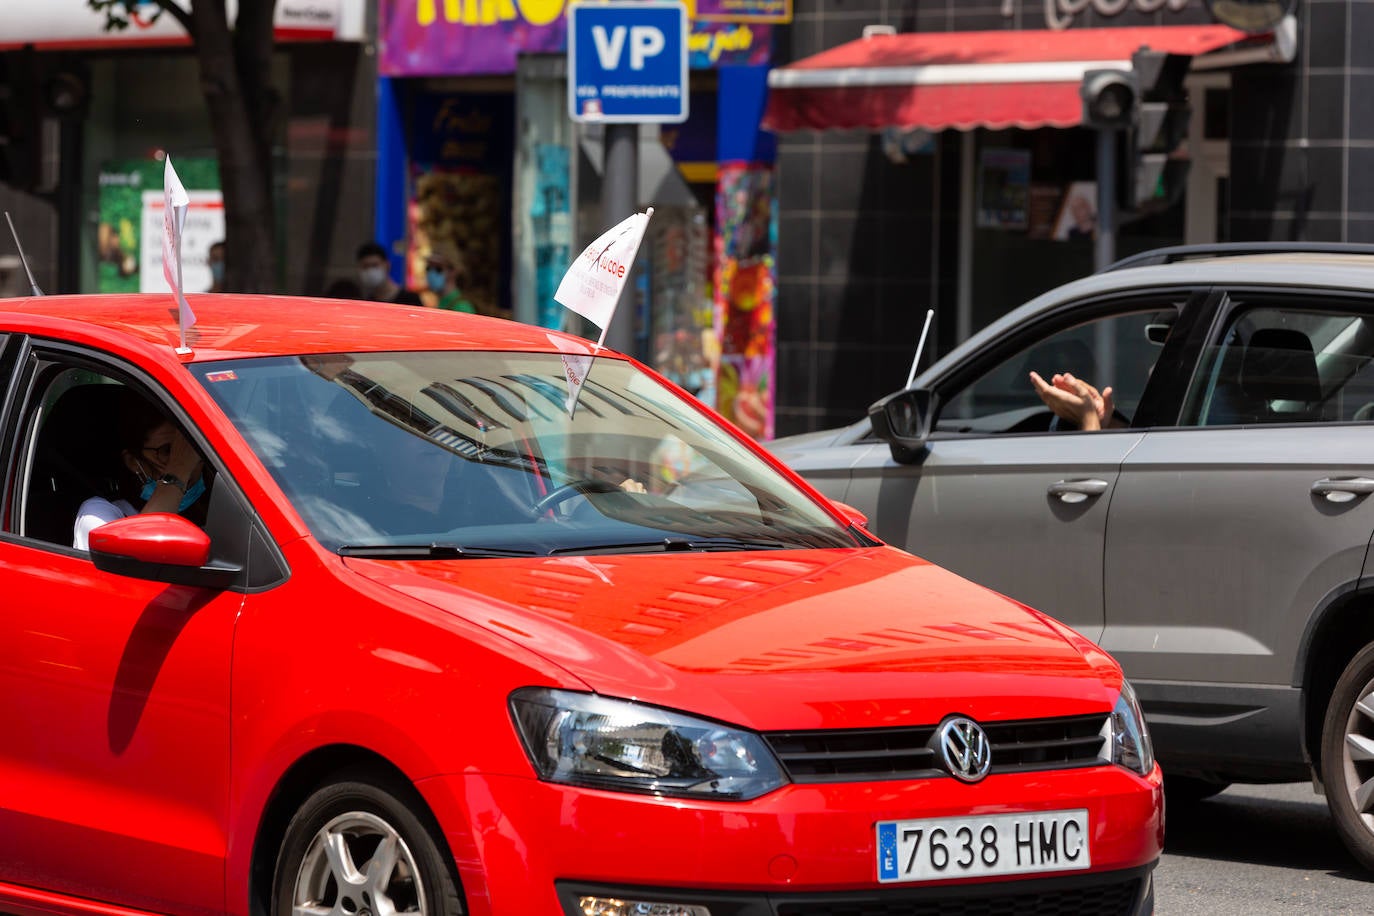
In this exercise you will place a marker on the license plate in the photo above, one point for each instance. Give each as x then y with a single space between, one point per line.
938 848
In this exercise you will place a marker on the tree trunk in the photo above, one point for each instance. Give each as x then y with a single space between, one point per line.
236 80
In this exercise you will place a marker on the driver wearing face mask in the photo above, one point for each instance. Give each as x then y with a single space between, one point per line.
163 471
375 281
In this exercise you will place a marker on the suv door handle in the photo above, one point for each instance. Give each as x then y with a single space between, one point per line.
1076 491
1343 489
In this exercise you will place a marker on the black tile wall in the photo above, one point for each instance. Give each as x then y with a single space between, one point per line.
1326 104
1327 33
797 174
1362 100
1362 28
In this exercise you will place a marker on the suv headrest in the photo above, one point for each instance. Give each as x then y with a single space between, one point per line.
1279 365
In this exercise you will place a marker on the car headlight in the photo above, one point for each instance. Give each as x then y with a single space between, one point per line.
589 740
1125 739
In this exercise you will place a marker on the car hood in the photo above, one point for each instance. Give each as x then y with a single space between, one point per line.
777 639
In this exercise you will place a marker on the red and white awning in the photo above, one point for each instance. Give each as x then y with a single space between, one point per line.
964 80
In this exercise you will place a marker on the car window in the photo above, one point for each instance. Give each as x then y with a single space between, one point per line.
74 450
1117 350
477 449
1285 365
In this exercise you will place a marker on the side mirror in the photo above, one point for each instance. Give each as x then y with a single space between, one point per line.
902 420
160 547
852 515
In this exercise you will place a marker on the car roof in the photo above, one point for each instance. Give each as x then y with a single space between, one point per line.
231 326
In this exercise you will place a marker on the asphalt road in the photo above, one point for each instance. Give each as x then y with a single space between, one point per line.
1258 851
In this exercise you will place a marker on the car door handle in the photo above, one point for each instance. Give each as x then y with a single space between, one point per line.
1076 491
1343 489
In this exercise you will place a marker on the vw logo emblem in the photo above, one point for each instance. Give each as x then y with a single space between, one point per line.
965 749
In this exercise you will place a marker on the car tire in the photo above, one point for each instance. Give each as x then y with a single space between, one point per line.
347 830
1347 765
1189 790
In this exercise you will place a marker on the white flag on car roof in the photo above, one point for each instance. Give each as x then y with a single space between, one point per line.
593 283
175 202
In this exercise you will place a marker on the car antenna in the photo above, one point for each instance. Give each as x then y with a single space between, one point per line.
22 260
911 376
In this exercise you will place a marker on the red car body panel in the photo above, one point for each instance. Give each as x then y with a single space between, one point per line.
803 838
175 713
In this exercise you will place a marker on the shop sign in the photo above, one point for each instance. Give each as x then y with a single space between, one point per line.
744 10
717 44
468 37
73 24
1059 14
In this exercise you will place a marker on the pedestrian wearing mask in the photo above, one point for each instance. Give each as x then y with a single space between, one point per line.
215 258
443 269
374 280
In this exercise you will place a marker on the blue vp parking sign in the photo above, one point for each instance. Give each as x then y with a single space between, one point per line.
627 63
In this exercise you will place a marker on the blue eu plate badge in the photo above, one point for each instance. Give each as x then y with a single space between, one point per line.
887 852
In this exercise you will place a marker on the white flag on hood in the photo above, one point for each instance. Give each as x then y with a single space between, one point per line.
593 283
175 201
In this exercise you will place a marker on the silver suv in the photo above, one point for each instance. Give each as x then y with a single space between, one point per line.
1215 538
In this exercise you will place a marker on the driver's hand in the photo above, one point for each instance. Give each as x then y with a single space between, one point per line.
1073 399
630 485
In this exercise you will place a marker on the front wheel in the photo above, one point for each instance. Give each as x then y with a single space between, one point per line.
355 848
1347 765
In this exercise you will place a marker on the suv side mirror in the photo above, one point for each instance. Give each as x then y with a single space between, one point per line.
161 547
902 420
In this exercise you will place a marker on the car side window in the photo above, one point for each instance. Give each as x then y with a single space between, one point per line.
1116 350
1286 365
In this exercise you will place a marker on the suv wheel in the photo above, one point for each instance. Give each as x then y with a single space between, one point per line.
1347 764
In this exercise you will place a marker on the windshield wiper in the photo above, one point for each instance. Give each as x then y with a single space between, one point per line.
677 544
429 552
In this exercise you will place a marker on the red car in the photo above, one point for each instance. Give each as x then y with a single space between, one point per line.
374 616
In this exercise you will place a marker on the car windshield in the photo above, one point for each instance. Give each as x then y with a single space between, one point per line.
471 454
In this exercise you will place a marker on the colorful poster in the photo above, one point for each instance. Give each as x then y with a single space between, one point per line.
461 192
1003 188
129 235
746 232
466 37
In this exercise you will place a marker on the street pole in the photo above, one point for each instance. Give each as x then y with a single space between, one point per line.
1104 253
619 190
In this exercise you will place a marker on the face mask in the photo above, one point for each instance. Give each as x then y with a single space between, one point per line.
437 279
193 493
217 271
371 277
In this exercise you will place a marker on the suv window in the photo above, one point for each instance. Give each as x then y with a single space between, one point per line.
1116 351
1280 365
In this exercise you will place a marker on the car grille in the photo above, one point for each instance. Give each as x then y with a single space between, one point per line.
1116 899
909 753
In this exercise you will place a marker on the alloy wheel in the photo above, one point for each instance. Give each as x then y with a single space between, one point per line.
357 864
